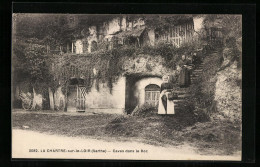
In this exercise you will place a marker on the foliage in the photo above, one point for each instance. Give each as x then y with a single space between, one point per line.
50 28
42 70
170 53
146 110
30 63
231 24
162 23
203 91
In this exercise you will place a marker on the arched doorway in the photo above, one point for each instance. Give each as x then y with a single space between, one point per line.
76 95
141 90
152 94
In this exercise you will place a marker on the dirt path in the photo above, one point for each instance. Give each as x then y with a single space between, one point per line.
23 140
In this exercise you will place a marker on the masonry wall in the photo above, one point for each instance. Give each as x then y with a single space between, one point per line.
135 90
59 99
100 100
103 101
140 85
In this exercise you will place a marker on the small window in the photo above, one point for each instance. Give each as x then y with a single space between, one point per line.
152 94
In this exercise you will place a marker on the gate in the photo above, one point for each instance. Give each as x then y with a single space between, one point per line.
81 98
152 94
76 98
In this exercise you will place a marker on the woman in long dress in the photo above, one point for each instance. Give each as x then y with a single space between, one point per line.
165 106
184 78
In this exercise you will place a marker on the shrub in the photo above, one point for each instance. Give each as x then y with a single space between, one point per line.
146 110
203 91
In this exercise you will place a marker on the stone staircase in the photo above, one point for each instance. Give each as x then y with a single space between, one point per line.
182 92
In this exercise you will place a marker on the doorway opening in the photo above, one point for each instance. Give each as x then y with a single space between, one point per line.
76 95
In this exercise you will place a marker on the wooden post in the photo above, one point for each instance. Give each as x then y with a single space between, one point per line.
48 48
66 99
77 98
72 49
138 42
68 48
185 35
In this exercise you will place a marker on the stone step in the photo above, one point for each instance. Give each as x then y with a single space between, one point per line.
194 76
198 70
179 92
179 101
196 73
199 66
183 96
180 89
176 107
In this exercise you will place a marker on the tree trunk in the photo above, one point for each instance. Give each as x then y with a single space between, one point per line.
51 99
66 99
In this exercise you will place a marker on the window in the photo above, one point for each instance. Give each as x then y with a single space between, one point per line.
152 94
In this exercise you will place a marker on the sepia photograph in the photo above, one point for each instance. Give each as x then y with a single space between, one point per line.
127 86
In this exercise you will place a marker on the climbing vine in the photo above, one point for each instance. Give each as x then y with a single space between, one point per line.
107 65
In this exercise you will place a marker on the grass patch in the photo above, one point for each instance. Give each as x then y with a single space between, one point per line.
223 136
153 129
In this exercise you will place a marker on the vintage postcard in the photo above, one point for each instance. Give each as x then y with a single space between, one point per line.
127 86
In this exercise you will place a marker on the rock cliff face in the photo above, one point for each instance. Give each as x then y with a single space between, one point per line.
228 94
147 65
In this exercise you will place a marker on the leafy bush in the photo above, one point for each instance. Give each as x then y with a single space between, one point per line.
146 110
203 91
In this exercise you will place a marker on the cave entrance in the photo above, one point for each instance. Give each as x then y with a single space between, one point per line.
141 89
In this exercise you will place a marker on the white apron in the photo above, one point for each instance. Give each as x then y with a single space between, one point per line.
170 104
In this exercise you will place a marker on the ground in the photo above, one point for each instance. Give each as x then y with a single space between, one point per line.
56 146
214 137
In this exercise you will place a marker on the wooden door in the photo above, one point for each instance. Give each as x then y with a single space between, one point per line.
76 98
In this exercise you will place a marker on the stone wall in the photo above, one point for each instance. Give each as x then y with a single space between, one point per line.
139 91
59 99
147 65
102 99
106 31
135 90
